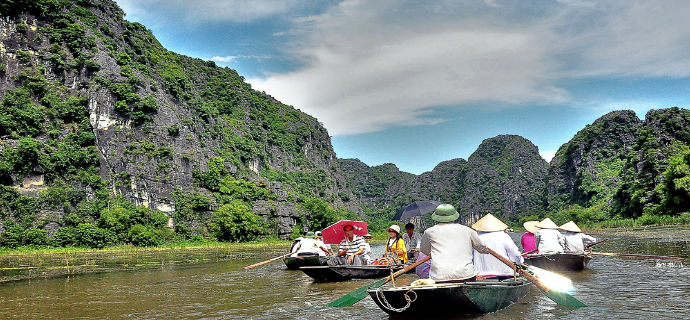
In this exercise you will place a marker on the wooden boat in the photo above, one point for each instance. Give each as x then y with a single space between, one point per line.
469 298
559 261
294 263
342 273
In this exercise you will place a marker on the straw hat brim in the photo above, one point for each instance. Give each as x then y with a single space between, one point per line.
489 223
531 226
547 224
570 226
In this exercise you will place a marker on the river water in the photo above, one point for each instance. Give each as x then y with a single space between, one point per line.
616 288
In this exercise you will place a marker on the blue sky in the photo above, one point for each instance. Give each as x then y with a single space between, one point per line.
393 78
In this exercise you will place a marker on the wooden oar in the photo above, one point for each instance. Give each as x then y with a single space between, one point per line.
267 261
528 252
358 294
594 244
642 256
562 298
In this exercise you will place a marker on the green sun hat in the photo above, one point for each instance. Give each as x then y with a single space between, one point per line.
445 213
310 234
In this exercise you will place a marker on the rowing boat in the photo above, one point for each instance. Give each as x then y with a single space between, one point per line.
294 263
469 298
342 273
559 261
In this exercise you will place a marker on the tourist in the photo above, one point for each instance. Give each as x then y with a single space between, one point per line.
493 234
351 249
412 242
527 240
450 245
575 240
548 239
395 247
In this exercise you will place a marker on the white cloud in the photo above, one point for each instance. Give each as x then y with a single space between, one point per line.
223 59
198 11
547 154
372 65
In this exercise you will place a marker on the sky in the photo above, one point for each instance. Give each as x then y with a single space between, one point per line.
415 83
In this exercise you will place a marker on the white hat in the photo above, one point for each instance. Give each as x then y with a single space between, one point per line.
570 226
531 226
394 228
547 224
489 223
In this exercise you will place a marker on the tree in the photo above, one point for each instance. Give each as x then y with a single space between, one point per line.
236 222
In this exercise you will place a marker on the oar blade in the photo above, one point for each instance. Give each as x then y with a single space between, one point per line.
564 299
356 295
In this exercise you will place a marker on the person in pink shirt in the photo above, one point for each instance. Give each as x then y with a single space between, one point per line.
528 242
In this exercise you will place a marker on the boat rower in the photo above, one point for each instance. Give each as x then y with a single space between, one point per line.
493 234
575 240
548 239
308 246
450 244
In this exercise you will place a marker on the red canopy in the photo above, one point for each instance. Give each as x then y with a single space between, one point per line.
334 233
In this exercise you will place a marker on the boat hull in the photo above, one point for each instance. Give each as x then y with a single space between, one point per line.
559 261
471 298
294 263
342 273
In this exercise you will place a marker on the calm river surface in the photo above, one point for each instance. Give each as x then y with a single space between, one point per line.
618 288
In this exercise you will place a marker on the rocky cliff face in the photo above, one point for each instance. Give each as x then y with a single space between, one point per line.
151 119
505 177
587 169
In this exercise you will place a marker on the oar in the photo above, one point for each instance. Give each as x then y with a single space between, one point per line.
267 261
358 294
594 244
562 298
642 256
528 252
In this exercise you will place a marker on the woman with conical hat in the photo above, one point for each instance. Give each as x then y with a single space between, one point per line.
548 239
575 240
450 244
493 235
527 240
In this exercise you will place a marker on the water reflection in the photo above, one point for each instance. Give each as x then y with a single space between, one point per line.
618 288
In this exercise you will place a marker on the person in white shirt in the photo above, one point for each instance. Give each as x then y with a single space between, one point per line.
450 246
575 240
308 246
493 235
351 249
548 239
413 240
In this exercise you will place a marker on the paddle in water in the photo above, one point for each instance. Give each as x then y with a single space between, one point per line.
562 298
267 261
361 292
641 256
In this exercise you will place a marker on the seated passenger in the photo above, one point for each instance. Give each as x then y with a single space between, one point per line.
395 247
351 249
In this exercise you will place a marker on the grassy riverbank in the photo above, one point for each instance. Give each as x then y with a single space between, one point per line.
37 262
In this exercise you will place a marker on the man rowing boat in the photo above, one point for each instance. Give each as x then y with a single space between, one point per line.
575 240
493 235
450 244
548 239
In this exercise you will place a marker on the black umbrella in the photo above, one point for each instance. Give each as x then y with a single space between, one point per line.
416 208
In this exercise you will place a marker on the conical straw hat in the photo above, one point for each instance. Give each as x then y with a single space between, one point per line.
570 226
489 223
547 224
531 226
